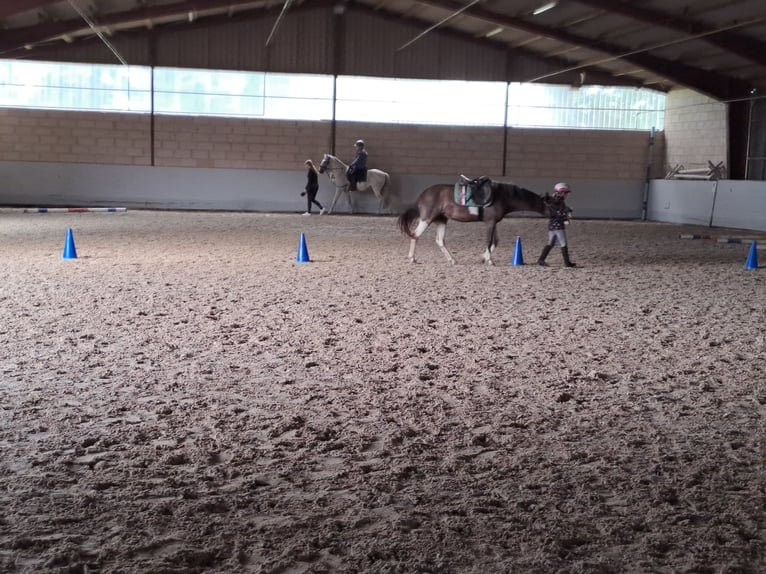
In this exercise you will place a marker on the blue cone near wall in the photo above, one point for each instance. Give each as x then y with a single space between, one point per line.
69 249
752 258
518 258
303 252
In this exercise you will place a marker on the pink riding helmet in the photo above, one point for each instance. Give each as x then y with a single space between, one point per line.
562 188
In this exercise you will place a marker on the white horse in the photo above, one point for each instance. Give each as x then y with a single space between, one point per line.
377 181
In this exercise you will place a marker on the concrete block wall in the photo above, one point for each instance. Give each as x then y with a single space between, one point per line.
696 130
235 143
179 141
531 153
582 154
74 137
417 149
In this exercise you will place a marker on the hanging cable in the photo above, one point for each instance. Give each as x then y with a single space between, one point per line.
667 44
93 27
435 26
279 20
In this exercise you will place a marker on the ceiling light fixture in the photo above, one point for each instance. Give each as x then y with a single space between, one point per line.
494 32
544 8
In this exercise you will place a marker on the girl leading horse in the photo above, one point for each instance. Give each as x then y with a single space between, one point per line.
437 205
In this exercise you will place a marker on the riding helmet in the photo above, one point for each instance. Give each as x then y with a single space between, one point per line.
562 188
359 143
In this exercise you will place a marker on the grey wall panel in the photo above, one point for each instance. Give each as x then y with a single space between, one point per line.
133 48
191 50
217 47
78 185
299 44
372 48
302 43
368 43
461 59
723 203
675 201
419 60
740 204
224 48
522 68
250 42
43 184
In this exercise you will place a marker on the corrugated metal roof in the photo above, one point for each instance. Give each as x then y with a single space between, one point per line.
716 47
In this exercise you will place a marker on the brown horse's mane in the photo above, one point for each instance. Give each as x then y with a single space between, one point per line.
516 195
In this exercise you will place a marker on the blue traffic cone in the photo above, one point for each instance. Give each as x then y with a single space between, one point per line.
518 258
69 250
303 251
752 258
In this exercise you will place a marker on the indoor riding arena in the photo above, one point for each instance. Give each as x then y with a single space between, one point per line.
197 378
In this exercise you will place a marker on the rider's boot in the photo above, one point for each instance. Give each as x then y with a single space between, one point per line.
543 255
565 254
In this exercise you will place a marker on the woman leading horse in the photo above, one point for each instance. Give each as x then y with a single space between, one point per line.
377 182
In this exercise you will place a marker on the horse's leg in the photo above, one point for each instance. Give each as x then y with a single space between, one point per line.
421 227
441 230
491 243
334 200
375 190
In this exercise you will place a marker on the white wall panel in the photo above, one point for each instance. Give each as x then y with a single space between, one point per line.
724 203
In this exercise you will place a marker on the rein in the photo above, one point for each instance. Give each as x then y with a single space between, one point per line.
330 160
334 168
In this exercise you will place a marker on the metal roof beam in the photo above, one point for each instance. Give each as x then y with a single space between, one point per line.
17 38
744 46
710 83
13 7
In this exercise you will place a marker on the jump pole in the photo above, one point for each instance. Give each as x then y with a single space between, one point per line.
724 238
696 236
76 210
741 238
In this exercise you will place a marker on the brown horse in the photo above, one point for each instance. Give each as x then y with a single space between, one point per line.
437 205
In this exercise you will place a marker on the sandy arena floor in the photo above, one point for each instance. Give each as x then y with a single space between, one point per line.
185 398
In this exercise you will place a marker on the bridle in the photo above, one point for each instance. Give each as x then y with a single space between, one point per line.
324 165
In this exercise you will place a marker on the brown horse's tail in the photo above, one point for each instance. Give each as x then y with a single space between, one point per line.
406 220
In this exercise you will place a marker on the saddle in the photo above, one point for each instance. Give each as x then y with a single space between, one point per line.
359 174
476 192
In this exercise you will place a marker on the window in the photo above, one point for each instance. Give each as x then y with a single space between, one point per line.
593 107
74 86
310 97
248 94
420 101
